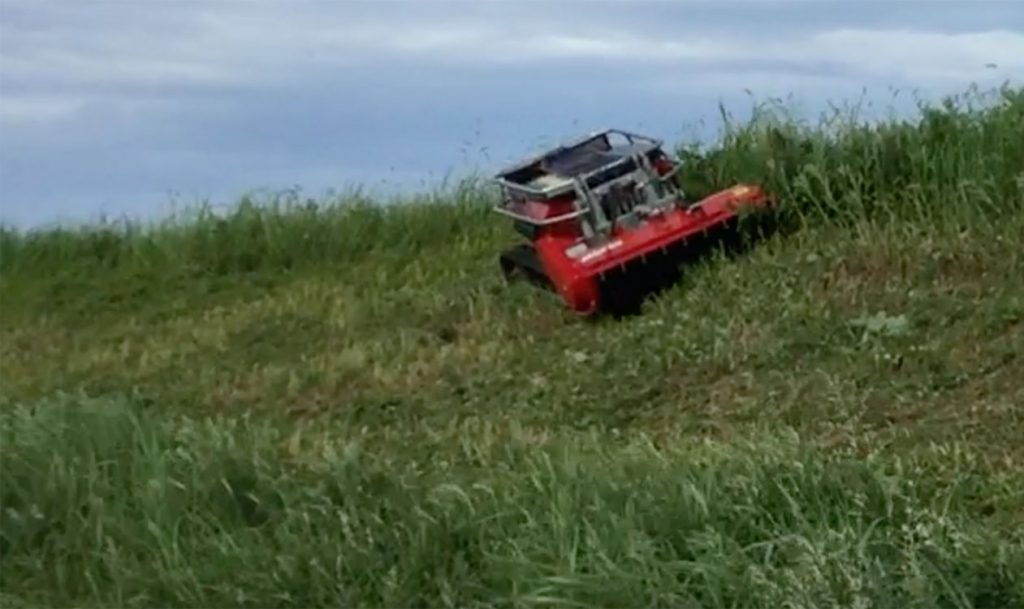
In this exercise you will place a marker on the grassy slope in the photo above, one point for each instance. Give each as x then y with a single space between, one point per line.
832 418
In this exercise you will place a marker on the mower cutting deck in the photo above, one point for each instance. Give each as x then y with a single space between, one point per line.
607 221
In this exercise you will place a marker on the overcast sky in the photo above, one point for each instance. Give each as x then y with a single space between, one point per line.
123 107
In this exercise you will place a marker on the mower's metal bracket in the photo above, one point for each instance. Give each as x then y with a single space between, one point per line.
543 221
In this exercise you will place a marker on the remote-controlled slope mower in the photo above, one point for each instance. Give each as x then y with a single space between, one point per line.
607 221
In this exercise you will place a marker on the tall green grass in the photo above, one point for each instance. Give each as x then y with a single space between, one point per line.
961 160
133 511
282 232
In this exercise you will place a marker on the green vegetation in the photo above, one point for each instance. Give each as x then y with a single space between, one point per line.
305 403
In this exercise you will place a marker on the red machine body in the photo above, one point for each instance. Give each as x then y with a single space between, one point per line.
578 279
605 221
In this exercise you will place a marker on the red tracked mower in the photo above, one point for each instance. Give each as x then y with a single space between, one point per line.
607 222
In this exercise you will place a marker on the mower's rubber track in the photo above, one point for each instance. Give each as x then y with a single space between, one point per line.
521 262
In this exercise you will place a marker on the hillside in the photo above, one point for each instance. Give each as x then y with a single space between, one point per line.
335 402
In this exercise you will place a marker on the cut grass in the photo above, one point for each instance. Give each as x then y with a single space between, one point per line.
336 402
